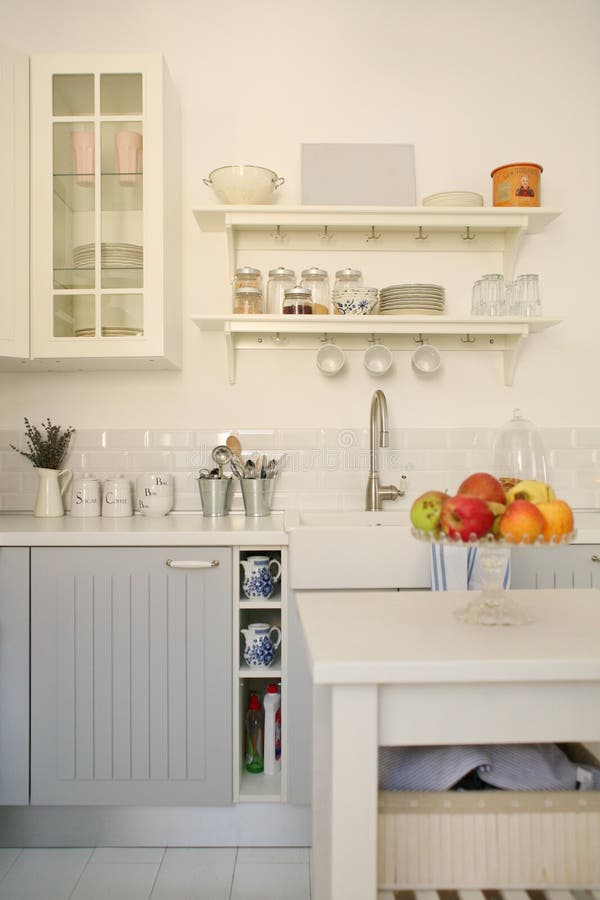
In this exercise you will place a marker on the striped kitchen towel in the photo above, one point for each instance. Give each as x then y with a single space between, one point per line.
458 568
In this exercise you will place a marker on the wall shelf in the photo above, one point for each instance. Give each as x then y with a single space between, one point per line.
497 334
397 229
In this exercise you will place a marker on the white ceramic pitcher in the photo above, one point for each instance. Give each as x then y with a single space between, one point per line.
49 500
260 648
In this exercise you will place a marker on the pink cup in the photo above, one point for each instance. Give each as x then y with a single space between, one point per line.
83 149
129 155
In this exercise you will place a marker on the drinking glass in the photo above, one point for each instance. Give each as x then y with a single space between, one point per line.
493 295
528 291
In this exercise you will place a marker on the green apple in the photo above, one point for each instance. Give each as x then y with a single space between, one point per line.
425 511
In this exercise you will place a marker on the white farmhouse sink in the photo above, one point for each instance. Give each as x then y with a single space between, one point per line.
329 550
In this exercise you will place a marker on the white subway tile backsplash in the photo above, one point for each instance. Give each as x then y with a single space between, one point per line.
151 461
94 439
8 437
298 439
471 438
259 439
587 437
572 459
127 439
322 468
175 440
559 438
106 461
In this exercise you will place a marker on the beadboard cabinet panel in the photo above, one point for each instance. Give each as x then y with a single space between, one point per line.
572 566
131 696
14 676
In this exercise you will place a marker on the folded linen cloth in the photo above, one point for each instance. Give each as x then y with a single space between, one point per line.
458 568
512 767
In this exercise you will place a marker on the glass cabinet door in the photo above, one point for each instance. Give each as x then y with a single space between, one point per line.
98 206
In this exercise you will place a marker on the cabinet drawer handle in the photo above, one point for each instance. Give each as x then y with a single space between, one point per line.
595 558
192 563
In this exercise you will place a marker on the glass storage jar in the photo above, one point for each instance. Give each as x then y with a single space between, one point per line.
317 282
347 278
246 276
297 301
248 301
279 279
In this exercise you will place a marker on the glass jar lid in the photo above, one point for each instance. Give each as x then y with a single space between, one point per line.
247 270
281 272
348 273
248 292
297 293
314 272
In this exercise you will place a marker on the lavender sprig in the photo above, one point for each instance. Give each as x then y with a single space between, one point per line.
46 451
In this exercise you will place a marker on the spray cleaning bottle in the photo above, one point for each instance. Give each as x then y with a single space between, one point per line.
254 736
272 705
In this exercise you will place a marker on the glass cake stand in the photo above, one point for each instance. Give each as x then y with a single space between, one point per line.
492 605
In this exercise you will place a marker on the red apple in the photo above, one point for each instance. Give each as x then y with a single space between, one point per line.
484 486
558 519
522 522
425 511
464 517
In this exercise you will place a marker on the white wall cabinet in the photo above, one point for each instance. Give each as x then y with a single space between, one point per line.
14 209
14 676
105 213
452 246
131 676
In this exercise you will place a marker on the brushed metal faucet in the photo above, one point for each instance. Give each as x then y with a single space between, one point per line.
378 425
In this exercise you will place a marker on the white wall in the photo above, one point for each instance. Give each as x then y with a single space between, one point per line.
472 83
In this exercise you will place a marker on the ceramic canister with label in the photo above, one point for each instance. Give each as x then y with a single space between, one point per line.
86 499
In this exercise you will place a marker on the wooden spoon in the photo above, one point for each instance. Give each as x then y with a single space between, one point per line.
234 445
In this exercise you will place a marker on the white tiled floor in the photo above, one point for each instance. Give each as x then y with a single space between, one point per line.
156 873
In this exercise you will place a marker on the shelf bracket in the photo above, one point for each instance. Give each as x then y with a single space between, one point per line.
230 349
511 248
511 353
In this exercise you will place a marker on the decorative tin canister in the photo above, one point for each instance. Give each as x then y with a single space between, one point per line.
517 184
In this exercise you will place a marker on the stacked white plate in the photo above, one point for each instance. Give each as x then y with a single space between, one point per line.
113 256
412 300
453 198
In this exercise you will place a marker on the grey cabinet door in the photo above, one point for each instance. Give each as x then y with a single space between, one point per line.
131 676
14 676
572 566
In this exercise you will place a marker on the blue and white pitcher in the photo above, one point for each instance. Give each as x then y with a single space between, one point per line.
260 649
259 581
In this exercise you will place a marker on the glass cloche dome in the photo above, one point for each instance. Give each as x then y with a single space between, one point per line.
519 451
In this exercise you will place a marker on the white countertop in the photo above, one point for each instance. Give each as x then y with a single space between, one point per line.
176 529
193 529
374 637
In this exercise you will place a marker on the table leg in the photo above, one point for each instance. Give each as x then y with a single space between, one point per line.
345 809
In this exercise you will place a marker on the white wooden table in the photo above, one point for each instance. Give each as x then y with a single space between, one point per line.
397 668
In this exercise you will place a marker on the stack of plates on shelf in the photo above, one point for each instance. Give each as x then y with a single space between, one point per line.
453 198
412 300
113 256
108 332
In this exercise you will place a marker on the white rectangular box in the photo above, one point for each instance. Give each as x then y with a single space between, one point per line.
358 174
